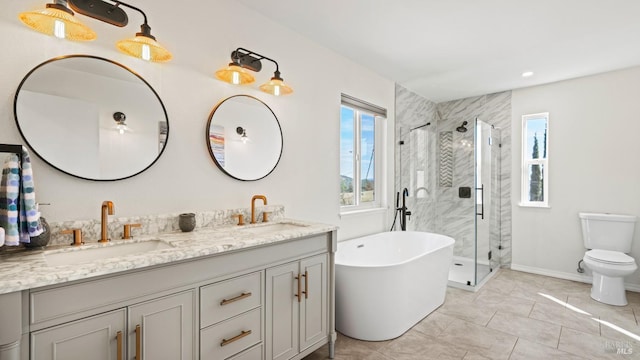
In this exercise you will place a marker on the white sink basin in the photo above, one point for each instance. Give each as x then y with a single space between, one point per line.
89 254
271 228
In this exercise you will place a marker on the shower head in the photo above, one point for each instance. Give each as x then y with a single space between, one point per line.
462 127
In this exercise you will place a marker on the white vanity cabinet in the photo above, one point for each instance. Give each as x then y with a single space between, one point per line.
270 301
296 305
156 329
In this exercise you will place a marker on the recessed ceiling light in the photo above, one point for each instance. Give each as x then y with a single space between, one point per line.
527 74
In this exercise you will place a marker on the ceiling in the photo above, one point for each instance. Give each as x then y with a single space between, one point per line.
452 49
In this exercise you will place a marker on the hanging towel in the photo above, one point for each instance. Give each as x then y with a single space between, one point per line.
19 227
9 197
29 214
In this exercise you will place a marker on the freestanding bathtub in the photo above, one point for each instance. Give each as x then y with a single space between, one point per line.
388 282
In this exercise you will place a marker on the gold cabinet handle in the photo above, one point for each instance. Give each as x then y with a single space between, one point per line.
235 338
239 297
138 342
119 342
306 284
299 294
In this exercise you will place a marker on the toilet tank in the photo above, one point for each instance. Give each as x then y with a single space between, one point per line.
607 231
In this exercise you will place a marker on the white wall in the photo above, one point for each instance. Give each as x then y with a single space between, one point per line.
201 35
593 166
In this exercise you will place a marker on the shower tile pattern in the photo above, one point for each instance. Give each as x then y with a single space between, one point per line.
446 159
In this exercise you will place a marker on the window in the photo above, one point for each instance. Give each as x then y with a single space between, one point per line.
535 159
361 134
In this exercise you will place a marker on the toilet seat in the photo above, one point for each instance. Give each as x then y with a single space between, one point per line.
609 257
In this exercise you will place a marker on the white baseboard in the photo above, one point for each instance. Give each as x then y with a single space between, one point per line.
567 276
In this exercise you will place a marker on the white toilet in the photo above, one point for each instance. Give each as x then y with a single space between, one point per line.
608 238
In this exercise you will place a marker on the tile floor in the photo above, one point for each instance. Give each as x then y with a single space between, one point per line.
515 315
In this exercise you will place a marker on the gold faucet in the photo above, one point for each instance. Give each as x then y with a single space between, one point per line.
107 207
253 206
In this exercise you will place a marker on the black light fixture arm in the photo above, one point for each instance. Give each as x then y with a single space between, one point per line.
145 29
118 3
111 12
246 59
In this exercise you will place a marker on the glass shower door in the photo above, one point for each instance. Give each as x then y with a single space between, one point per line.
487 199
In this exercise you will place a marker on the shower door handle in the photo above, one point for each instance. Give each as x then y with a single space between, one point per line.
481 213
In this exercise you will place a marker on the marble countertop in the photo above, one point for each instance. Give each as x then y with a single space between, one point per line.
30 269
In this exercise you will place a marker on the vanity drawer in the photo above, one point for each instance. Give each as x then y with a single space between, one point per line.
226 299
255 353
231 336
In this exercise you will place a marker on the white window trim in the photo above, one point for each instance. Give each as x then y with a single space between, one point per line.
380 157
524 163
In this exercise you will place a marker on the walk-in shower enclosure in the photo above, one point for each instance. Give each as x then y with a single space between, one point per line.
453 172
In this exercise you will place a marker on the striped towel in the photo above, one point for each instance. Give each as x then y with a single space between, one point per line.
18 227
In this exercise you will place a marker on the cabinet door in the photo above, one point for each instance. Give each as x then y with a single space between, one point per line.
163 328
95 337
282 312
313 308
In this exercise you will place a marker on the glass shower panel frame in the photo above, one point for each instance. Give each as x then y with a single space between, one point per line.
487 199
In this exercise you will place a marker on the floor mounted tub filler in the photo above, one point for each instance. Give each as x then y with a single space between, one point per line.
388 282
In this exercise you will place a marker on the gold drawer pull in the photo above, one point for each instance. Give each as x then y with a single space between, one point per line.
235 338
239 297
306 284
119 341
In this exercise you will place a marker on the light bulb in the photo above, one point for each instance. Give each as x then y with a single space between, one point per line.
235 78
58 29
276 90
146 52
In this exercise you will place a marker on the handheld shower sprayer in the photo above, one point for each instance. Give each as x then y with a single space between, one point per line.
401 210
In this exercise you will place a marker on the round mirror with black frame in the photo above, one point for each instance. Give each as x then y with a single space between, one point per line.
244 138
91 118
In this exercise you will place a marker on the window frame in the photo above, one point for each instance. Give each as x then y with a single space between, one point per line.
526 163
379 115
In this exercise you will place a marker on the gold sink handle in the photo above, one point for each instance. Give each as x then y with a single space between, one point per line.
77 236
126 233
240 218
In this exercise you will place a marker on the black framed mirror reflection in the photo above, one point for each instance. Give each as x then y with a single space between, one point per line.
244 138
91 117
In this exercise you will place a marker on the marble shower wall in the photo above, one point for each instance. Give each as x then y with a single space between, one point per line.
453 218
416 159
437 208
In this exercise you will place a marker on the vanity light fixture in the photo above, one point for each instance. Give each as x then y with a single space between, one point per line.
242 59
243 134
235 74
143 45
121 125
58 19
